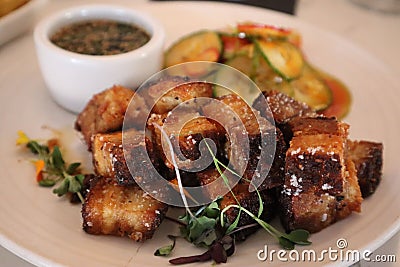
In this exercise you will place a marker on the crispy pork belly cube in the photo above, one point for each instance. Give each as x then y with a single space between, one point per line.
185 131
263 137
152 91
367 158
169 92
272 165
250 201
87 181
103 149
109 159
315 209
314 125
317 125
105 112
320 185
189 179
193 132
152 129
111 209
231 110
317 160
282 107
213 184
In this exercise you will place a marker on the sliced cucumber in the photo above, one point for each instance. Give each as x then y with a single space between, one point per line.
236 81
198 46
311 89
243 90
267 79
243 63
283 57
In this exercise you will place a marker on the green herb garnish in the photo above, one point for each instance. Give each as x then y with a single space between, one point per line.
287 241
51 168
207 227
166 250
200 227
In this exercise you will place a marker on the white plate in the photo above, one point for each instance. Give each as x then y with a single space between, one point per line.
46 231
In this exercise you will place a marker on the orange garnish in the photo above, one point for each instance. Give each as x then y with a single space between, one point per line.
39 165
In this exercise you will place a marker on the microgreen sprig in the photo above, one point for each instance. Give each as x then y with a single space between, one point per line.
208 227
166 250
51 168
287 241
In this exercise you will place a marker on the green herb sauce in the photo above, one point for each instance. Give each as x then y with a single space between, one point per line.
100 37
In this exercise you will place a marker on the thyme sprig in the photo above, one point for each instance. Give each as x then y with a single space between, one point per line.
51 169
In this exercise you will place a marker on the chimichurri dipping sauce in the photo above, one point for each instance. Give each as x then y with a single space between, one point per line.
100 37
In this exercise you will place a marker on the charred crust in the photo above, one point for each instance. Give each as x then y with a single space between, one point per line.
368 159
282 107
134 213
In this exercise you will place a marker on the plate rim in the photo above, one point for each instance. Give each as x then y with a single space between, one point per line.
377 242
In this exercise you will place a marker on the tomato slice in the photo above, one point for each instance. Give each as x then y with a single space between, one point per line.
233 44
262 29
285 58
269 31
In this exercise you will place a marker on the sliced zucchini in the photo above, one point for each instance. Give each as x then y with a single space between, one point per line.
311 89
267 79
229 81
283 57
243 63
198 46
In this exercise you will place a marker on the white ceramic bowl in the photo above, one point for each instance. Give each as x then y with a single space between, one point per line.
73 78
